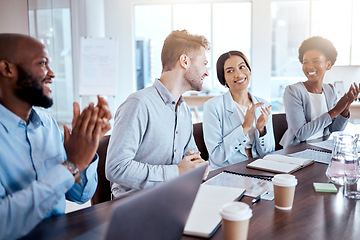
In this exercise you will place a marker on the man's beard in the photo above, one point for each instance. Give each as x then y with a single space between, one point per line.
193 79
29 89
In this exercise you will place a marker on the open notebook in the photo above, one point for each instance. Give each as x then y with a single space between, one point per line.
204 218
280 163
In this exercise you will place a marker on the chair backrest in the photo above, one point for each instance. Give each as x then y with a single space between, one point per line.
103 190
280 126
199 140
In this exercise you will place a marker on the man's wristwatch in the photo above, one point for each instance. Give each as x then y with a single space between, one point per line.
73 169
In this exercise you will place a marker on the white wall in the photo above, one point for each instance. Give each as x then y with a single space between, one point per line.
14 16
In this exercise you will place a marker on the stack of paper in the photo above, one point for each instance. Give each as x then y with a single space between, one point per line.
280 163
204 218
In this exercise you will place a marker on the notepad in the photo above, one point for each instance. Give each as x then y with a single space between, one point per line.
280 163
254 184
204 218
315 154
325 187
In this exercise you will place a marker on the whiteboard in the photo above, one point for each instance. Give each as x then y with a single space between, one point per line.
98 61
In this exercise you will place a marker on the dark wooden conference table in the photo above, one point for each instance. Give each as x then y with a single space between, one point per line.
313 216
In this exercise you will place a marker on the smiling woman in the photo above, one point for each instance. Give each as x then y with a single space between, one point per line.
237 125
293 21
311 107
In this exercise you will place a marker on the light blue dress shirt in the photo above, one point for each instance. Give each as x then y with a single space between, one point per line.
224 135
33 183
150 137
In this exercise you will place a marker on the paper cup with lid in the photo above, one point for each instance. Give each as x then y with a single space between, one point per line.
284 190
235 220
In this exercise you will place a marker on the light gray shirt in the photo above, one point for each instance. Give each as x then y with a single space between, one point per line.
298 114
149 139
224 135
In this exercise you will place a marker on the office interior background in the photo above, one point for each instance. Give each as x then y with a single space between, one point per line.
269 32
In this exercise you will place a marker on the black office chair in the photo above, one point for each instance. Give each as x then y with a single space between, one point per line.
280 126
199 140
103 190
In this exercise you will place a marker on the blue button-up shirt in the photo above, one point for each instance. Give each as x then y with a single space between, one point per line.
150 137
33 183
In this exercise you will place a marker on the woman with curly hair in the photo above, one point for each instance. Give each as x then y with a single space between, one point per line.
311 107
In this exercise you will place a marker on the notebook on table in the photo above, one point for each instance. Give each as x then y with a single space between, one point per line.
280 163
204 217
317 155
253 184
156 213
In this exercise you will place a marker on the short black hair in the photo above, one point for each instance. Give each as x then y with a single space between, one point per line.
221 61
318 43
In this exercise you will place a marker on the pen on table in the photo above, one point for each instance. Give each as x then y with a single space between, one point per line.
260 196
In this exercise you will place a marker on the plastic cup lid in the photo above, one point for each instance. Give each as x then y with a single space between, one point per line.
236 211
284 180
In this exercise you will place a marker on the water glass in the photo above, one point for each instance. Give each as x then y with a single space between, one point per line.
352 185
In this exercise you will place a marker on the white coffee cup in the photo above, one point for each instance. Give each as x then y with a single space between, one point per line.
284 190
235 220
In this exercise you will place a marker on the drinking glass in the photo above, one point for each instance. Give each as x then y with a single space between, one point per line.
351 189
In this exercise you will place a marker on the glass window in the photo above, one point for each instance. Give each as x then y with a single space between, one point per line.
197 21
218 22
332 20
290 26
287 34
151 29
355 47
52 27
231 31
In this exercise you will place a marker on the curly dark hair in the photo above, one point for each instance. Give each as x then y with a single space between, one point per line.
221 61
318 43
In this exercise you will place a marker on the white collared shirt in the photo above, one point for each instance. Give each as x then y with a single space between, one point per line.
241 110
